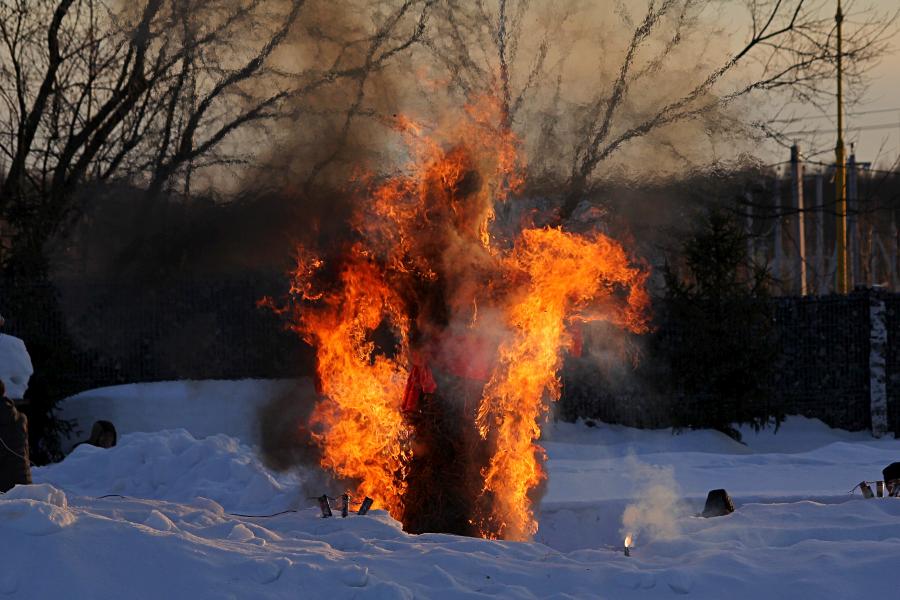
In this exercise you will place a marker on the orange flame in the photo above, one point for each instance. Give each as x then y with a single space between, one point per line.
425 263
563 276
358 424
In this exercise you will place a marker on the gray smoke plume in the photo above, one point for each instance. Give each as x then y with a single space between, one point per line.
286 443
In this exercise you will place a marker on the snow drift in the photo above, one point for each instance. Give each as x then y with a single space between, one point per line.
170 534
15 366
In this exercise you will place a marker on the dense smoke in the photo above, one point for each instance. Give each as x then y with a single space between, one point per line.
562 59
286 443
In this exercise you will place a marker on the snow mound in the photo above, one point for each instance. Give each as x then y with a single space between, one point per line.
159 521
40 493
175 466
203 407
15 366
35 510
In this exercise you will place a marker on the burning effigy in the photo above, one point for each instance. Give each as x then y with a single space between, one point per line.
439 342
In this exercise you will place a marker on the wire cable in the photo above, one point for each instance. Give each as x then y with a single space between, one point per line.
11 451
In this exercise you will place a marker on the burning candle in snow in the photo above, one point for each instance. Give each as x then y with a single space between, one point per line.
628 544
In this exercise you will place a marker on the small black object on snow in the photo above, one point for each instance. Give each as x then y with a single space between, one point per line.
866 490
366 505
891 475
324 506
718 503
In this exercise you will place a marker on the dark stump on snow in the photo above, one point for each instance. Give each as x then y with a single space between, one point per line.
718 503
891 474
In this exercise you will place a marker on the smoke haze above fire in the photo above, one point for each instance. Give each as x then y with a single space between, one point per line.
562 58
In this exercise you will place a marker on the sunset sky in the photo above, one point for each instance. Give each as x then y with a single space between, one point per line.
880 141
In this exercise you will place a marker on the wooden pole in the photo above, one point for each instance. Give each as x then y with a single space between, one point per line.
840 189
777 266
854 258
751 250
797 193
895 257
821 272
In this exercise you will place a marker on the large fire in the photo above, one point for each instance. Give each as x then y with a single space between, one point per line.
477 327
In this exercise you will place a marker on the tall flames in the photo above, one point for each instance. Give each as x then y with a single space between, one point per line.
426 273
564 278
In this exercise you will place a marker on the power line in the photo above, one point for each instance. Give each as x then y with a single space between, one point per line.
829 117
867 169
858 128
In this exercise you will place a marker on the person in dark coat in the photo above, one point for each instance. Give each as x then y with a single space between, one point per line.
15 467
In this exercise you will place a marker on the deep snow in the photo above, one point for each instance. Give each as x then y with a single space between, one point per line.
797 532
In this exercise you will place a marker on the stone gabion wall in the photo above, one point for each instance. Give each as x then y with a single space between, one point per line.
822 368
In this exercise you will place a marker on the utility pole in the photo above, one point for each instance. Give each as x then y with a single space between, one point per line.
777 233
854 261
797 196
751 249
840 189
821 272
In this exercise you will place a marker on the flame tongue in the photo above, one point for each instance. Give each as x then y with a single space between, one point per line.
426 267
563 274
362 433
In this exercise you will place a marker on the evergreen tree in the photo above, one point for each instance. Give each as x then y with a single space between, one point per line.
715 332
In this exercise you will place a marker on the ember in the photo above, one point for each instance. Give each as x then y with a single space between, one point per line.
439 423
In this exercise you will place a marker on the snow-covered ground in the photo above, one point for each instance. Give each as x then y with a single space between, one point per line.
598 471
173 530
15 366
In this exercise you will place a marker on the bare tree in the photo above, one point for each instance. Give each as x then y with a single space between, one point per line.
154 92
667 62
791 44
479 46
91 91
94 95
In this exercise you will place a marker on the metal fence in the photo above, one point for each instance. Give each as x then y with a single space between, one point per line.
114 334
823 369
184 330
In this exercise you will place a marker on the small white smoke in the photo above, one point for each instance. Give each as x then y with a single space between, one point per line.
655 511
